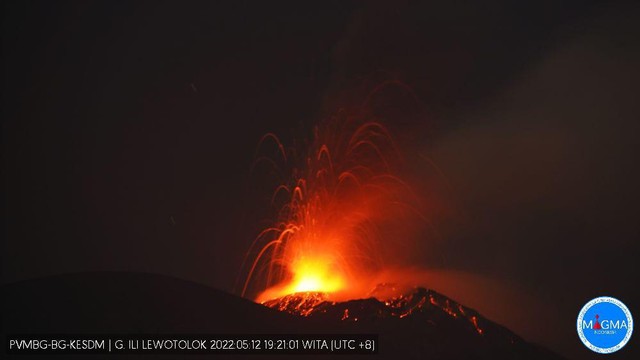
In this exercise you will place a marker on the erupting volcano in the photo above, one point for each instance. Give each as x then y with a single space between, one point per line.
343 214
332 212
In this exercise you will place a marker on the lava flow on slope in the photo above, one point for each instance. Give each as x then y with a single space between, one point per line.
416 302
415 323
343 215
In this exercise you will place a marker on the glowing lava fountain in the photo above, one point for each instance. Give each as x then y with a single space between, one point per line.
333 214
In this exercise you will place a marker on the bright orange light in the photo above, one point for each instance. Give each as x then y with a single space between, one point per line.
315 275
330 212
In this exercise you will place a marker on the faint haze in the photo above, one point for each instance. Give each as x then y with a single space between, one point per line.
129 129
546 174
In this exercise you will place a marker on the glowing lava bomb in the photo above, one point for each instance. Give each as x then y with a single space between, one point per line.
331 213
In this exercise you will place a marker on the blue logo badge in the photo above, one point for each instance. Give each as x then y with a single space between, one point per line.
605 325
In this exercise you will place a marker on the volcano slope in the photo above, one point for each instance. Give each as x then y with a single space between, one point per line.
418 324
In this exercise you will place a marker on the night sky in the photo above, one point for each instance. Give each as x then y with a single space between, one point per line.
129 129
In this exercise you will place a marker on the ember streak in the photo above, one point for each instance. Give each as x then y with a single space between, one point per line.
327 237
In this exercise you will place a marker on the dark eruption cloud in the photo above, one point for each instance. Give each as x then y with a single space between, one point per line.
129 128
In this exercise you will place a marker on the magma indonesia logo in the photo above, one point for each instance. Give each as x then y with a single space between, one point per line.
605 325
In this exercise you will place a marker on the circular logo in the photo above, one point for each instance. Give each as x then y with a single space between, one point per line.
605 325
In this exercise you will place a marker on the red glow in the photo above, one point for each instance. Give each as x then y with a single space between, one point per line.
327 236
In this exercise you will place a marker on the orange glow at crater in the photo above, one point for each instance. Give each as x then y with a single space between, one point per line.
308 275
331 213
315 275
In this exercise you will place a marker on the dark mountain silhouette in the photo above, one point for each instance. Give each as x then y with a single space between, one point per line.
420 324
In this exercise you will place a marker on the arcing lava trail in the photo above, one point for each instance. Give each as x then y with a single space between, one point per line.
340 214
342 217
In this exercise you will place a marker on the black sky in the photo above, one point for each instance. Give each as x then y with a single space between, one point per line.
129 129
